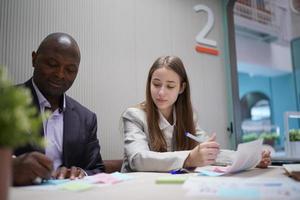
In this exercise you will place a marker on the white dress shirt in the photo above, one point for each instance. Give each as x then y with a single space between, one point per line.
53 129
167 129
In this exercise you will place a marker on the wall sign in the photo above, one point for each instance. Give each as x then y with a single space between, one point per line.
206 45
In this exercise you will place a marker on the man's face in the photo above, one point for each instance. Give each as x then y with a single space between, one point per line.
55 69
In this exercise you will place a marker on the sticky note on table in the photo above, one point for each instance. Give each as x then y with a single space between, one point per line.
209 173
172 179
76 186
121 176
249 193
55 181
103 178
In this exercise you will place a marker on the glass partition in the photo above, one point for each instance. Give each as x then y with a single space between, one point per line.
268 71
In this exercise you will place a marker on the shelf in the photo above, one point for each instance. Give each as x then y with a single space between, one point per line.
292 147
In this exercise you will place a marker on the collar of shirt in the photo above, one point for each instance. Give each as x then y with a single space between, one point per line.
164 123
44 102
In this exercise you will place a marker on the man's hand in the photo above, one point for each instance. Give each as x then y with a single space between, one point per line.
71 173
29 166
265 159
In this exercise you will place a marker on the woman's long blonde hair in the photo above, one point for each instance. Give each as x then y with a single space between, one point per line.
183 108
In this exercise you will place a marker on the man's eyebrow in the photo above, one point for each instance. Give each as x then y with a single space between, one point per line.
73 65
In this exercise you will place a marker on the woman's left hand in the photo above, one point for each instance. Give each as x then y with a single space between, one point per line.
265 159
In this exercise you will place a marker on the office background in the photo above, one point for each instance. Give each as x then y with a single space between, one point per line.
119 41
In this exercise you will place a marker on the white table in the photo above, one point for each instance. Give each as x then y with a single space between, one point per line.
143 187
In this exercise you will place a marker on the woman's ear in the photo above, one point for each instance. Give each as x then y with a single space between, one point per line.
183 86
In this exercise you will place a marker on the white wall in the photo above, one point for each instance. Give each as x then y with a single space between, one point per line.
119 40
296 25
262 58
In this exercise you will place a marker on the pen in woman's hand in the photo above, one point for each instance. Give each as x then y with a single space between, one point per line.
202 138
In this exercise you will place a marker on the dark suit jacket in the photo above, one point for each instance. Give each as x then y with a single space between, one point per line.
80 144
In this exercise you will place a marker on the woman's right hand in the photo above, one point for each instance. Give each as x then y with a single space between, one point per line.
203 154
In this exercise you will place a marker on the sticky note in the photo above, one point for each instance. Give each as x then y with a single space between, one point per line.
103 178
55 181
172 179
76 186
121 176
249 193
209 173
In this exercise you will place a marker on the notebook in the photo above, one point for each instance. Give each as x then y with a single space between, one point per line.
293 170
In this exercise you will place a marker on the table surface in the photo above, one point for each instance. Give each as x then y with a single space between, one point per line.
143 186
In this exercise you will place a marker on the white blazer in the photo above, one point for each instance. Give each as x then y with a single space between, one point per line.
137 153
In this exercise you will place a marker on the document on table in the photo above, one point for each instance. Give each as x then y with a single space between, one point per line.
247 156
241 188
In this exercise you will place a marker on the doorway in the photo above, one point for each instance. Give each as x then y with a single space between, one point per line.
266 76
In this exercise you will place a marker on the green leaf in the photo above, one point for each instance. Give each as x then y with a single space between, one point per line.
20 121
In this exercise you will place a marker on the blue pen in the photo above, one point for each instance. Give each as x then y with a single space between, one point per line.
179 171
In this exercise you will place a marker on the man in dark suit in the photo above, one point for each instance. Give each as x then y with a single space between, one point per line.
72 149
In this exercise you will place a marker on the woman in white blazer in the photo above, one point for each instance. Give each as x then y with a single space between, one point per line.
154 131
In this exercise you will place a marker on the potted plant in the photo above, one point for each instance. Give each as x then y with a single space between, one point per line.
19 125
294 136
269 138
249 137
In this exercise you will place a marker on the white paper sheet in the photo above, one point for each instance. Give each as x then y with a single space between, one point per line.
240 188
247 156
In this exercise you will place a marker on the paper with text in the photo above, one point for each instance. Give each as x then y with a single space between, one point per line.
247 156
241 188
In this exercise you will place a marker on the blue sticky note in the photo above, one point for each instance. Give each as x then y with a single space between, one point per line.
249 193
55 181
121 176
209 173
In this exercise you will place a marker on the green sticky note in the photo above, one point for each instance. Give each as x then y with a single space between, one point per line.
172 179
76 186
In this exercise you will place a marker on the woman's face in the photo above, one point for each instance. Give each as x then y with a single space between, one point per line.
165 87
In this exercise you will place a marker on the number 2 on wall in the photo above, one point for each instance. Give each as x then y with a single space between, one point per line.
201 36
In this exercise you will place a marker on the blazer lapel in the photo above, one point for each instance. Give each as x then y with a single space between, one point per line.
71 133
35 100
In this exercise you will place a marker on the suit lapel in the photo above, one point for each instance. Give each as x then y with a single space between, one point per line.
35 100
70 133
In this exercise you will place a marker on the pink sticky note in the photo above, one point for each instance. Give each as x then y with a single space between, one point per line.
221 169
104 178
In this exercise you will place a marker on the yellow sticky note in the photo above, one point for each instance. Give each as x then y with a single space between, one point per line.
76 186
172 179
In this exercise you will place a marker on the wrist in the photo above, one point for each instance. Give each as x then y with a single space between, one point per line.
187 162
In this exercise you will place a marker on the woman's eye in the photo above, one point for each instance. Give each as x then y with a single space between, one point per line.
156 84
170 86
